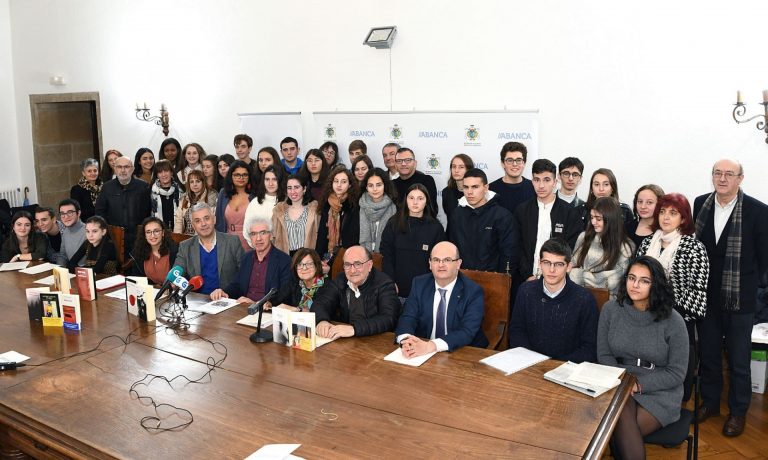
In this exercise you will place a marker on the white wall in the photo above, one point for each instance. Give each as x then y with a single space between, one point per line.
9 145
645 89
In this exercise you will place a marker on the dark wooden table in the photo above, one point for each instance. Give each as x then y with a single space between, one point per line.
341 401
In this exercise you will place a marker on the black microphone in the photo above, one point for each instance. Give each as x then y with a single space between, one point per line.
10 366
173 273
254 308
261 336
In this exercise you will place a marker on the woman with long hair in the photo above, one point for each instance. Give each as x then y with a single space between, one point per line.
603 250
144 165
196 192
644 207
339 224
307 279
377 206
108 166
165 193
222 166
270 190
266 157
460 164
233 200
315 170
330 153
191 160
408 239
641 332
170 149
97 249
295 220
87 189
603 184
212 181
24 243
360 167
154 252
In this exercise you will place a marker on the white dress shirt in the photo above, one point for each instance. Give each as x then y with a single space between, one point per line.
440 344
543 232
722 214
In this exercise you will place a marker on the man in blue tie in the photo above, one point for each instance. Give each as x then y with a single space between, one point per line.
444 307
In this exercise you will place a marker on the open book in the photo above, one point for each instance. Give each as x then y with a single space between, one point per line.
588 378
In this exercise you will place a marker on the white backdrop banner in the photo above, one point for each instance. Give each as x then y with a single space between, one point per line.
435 137
269 128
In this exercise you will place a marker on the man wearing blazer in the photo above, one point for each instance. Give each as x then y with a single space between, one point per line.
444 307
734 229
213 255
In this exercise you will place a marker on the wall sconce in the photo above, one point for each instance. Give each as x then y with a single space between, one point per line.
741 109
161 120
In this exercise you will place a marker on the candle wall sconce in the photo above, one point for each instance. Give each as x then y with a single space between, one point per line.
740 110
159 120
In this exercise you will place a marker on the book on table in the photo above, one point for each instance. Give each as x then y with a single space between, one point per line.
51 302
70 309
588 378
86 283
61 281
139 299
34 304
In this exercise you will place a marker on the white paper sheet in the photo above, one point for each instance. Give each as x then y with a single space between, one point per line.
397 357
214 307
11 266
252 320
275 452
48 280
37 269
760 333
120 294
596 375
108 283
513 360
12 357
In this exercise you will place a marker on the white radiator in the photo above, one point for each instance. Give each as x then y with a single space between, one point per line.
14 196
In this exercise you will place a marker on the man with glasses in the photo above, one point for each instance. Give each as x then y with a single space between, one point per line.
445 309
124 201
512 188
571 171
734 228
362 300
405 160
73 233
553 315
213 255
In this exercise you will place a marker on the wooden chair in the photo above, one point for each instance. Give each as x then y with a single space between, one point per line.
179 237
117 234
496 287
338 262
601 295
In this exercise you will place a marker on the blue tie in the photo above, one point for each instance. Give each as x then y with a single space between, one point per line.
440 320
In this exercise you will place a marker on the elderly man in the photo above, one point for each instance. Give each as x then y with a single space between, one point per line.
444 307
405 160
262 269
388 153
213 255
734 229
124 201
362 297
73 233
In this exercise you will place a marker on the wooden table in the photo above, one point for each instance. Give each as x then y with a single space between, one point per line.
341 401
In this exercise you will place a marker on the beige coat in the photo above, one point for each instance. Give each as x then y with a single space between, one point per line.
280 231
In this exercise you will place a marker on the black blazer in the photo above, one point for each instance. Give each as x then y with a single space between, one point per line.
278 273
83 196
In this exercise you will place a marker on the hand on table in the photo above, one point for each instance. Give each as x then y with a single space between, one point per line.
219 294
413 346
331 331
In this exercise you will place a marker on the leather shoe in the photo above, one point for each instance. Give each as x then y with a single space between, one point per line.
734 425
706 412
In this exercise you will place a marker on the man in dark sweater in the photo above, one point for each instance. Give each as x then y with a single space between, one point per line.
553 315
513 189
405 160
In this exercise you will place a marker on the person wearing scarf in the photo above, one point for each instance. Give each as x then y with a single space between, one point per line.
684 259
376 207
307 279
339 224
87 189
734 230
165 193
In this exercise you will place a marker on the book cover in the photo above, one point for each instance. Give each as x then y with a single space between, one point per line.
86 283
61 280
302 330
139 299
34 304
281 325
51 309
70 308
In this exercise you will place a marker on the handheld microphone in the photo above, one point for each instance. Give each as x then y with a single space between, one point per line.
180 283
173 273
195 283
254 308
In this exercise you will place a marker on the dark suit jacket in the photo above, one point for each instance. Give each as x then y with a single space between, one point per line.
464 317
229 251
278 273
754 251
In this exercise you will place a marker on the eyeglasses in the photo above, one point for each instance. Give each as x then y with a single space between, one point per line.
304 266
514 161
547 264
153 232
357 264
643 281
404 161
67 213
568 174
262 233
729 175
240 176
446 261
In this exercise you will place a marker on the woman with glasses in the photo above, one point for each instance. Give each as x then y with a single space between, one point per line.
377 206
196 191
641 332
233 200
645 202
315 170
87 189
154 252
330 153
307 280
295 220
602 252
339 224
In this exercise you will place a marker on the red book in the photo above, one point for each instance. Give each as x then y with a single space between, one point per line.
86 283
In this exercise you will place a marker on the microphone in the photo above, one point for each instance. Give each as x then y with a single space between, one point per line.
261 336
180 283
195 283
10 366
173 273
254 308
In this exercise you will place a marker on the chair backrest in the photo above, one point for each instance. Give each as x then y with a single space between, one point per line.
179 237
496 287
601 295
338 262
117 234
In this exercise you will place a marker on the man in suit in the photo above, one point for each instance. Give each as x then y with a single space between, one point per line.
734 230
444 307
213 255
262 269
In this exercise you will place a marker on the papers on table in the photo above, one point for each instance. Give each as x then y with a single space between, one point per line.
513 360
10 266
760 333
253 320
12 357
120 294
38 269
108 283
48 280
215 307
275 452
397 357
588 378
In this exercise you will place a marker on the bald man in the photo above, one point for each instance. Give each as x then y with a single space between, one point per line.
444 310
734 229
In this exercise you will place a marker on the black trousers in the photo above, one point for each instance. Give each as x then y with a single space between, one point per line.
736 329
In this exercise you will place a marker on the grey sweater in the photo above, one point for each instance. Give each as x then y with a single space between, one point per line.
71 240
626 332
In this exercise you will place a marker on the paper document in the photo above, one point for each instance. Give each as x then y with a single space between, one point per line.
320 341
513 360
760 333
38 268
120 294
563 375
48 280
108 283
12 357
397 357
596 375
275 452
10 266
214 307
252 320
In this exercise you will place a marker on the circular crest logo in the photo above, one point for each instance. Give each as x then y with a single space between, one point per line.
330 131
472 133
396 132
433 163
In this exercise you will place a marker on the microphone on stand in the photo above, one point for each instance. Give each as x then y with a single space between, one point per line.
261 336
195 283
173 273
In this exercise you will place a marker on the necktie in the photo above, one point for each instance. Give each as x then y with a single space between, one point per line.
440 318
